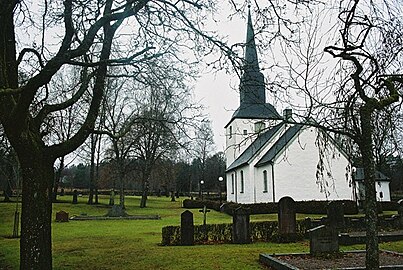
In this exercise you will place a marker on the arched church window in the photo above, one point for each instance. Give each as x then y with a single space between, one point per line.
242 183
265 187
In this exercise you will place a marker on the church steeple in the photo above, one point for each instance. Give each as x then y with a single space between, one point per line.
251 60
252 88
252 82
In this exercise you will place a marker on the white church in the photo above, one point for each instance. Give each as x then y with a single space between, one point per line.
269 157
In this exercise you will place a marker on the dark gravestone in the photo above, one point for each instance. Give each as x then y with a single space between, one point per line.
187 229
322 240
400 212
62 216
62 192
75 195
286 217
335 214
240 226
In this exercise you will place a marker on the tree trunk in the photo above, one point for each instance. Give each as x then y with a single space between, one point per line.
370 206
122 188
92 170
37 180
143 202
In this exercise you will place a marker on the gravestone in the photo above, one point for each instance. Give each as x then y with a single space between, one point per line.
187 229
335 214
287 222
322 240
62 216
75 195
62 192
240 226
400 212
117 211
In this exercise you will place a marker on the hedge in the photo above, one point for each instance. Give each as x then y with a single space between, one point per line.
303 207
267 231
388 206
222 233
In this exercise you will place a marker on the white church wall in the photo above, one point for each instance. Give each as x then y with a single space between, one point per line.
382 191
231 186
381 187
245 194
264 183
235 191
295 171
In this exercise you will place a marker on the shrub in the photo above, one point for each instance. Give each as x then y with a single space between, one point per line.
171 236
222 233
388 206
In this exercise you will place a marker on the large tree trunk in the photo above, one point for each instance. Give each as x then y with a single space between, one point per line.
37 180
122 186
143 202
370 206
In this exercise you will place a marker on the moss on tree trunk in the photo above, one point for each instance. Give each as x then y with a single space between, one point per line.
366 148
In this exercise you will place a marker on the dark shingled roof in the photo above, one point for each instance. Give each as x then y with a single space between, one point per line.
359 175
279 145
255 111
250 152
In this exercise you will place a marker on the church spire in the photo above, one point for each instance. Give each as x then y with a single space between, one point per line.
251 60
252 88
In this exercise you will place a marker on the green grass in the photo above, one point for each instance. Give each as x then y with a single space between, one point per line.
134 244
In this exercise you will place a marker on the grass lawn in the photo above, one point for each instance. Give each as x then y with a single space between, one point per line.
134 244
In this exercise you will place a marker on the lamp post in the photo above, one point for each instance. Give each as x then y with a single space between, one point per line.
201 189
220 180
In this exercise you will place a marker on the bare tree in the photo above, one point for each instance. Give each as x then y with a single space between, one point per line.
119 119
203 146
29 100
